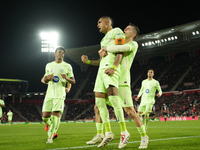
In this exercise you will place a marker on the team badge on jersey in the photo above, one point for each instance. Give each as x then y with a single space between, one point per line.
56 79
61 70
147 90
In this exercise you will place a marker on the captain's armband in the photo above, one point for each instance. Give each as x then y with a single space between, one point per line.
119 41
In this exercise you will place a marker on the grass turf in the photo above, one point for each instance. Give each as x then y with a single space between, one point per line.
171 135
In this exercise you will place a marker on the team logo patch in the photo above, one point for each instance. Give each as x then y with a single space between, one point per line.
147 90
56 79
61 70
124 101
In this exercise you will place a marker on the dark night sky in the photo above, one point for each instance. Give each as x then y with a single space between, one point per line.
75 21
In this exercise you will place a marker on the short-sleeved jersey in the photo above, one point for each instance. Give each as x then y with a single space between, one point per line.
56 88
148 91
109 39
2 103
9 114
126 63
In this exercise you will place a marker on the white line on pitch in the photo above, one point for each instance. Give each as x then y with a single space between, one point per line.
128 142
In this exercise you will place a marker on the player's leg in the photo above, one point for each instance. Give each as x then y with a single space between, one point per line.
100 101
114 99
125 95
0 116
46 112
57 109
55 135
147 112
99 127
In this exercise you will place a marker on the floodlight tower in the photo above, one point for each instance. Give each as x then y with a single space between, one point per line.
48 42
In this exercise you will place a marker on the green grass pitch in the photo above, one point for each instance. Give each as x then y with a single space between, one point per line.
171 135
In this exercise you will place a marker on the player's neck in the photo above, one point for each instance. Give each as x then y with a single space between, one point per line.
58 61
149 79
108 29
128 40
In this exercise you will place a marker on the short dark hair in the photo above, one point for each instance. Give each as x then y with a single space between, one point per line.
107 17
151 69
136 29
61 48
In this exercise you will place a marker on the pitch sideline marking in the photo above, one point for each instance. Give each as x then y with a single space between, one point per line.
128 142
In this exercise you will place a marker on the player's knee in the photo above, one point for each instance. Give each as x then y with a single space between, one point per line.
129 111
96 109
45 119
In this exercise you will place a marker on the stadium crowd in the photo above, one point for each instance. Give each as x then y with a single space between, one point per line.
167 72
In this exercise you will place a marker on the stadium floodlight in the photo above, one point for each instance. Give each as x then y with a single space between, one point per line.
48 41
197 32
142 44
176 37
193 33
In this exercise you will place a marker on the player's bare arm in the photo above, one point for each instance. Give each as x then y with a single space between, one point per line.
158 95
111 71
2 105
85 60
137 98
68 88
70 80
42 80
49 78
103 52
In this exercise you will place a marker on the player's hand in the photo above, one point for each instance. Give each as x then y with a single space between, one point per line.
110 71
64 76
84 58
67 90
102 52
136 98
50 77
158 95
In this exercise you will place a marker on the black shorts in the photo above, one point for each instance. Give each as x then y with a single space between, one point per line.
164 113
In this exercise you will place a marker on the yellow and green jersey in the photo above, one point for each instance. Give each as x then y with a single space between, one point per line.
126 63
2 103
111 38
56 88
148 91
9 114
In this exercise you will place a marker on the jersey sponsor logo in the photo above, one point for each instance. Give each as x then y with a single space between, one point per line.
56 79
61 71
147 90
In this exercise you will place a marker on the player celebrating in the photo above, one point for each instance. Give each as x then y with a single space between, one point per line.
56 75
67 89
148 90
2 104
10 115
129 50
106 84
